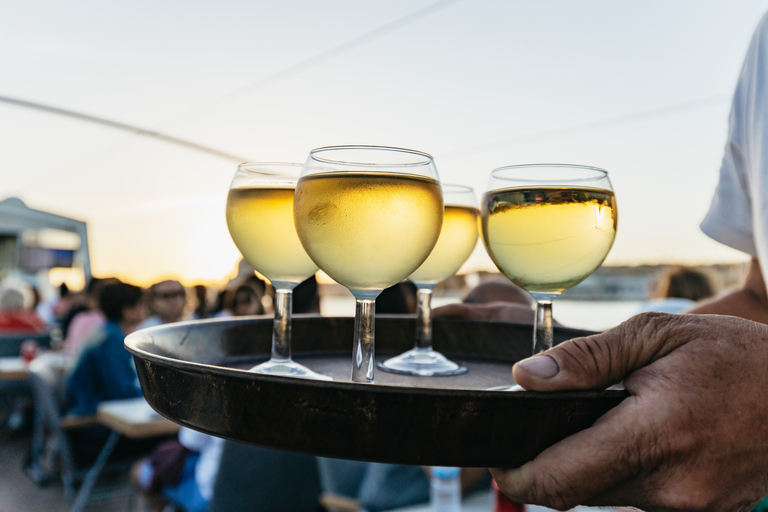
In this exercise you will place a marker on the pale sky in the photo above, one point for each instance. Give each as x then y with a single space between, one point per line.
640 88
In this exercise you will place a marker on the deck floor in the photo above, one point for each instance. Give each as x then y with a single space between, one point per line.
18 493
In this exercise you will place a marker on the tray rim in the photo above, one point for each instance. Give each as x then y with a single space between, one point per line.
144 335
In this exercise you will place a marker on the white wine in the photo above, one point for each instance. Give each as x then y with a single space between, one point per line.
368 231
456 242
547 240
260 221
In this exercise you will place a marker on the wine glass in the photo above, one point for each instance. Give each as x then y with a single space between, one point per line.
368 216
458 238
260 221
547 227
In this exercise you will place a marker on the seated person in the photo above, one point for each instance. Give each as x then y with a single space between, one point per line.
105 370
13 316
306 298
678 290
86 320
166 300
181 472
190 485
398 299
245 300
378 486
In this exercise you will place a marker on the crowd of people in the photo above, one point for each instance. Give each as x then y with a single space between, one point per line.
693 435
90 326
180 473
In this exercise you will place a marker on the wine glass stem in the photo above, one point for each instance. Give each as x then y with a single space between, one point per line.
363 351
424 320
281 330
543 335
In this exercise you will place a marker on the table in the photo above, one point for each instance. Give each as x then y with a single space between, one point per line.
13 369
132 418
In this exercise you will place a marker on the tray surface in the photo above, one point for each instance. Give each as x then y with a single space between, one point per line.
195 373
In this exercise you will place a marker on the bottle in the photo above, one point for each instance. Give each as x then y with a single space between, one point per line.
445 489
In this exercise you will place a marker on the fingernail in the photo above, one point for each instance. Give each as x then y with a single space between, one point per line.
543 367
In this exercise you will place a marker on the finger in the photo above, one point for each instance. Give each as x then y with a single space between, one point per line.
585 465
598 361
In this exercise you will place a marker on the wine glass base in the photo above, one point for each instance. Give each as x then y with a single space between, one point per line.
514 387
424 363
288 369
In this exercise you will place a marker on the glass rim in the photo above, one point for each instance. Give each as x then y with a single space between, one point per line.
600 173
428 159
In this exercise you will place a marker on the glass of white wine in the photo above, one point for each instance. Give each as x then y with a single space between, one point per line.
547 227
368 216
457 240
260 221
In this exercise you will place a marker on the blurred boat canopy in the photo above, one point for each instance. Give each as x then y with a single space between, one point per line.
32 242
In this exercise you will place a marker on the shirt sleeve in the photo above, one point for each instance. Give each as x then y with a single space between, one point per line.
730 217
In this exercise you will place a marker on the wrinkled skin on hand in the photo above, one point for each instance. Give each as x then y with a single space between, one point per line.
693 435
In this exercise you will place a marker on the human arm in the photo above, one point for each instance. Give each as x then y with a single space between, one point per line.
693 435
750 301
494 311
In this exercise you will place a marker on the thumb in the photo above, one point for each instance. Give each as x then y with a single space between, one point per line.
600 360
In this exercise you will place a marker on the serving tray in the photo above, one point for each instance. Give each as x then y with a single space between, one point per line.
195 373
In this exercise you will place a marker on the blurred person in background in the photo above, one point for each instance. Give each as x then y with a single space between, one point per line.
376 486
166 300
181 473
246 301
201 306
219 308
264 290
14 317
399 299
105 370
677 290
86 319
53 309
306 298
693 434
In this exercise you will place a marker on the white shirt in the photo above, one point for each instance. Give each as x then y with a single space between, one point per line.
738 216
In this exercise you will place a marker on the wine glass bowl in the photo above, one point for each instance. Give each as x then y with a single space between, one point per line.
260 220
458 238
368 216
547 227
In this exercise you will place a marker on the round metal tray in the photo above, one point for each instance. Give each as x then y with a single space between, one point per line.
195 373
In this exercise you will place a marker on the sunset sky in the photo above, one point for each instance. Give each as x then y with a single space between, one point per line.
640 88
